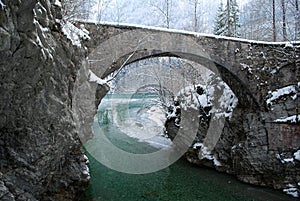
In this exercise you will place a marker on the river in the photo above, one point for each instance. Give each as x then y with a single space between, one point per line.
134 124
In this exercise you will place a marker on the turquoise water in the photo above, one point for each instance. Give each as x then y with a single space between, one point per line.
181 181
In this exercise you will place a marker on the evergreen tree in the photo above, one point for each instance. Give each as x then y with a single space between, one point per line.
220 22
227 20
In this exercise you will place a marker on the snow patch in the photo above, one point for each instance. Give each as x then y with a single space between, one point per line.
284 160
246 67
87 161
57 3
86 172
288 44
2 5
223 106
41 34
280 92
196 145
217 163
75 34
95 78
204 153
291 190
291 119
297 157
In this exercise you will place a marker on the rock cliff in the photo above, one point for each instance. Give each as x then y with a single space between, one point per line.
254 150
40 156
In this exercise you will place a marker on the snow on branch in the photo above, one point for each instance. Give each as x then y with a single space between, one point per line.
75 34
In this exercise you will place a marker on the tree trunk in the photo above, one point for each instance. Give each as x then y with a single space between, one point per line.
283 20
99 11
228 18
195 15
168 13
297 24
274 21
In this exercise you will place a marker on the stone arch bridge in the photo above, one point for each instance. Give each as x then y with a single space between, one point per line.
252 70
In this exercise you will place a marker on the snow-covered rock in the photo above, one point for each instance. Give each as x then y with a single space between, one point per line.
284 160
75 34
291 190
57 3
95 78
204 153
297 155
291 119
274 95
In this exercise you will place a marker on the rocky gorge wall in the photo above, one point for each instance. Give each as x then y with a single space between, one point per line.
40 156
255 150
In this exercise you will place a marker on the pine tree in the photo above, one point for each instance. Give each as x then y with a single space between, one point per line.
227 20
220 24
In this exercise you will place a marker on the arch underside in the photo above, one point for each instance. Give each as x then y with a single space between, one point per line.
246 99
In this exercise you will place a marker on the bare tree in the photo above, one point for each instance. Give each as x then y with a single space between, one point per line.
283 19
164 9
228 16
297 19
195 4
101 6
76 9
274 20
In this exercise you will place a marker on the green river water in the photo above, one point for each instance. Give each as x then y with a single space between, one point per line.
181 181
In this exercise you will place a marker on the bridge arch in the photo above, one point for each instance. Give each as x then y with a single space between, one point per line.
134 45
